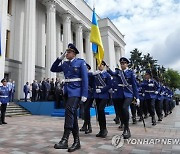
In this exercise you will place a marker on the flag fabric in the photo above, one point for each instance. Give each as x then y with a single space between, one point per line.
95 38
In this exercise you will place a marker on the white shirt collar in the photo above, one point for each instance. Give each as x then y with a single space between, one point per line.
125 70
72 59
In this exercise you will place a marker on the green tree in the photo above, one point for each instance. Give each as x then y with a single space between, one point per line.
172 78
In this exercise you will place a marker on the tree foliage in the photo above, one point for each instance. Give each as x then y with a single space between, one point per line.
140 63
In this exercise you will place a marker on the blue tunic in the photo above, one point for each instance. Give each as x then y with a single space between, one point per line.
4 94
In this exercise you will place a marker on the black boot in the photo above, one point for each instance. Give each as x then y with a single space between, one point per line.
126 132
121 127
84 127
116 120
104 133
153 121
76 145
160 118
89 130
134 120
141 118
63 144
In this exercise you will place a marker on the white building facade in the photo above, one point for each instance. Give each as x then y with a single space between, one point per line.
35 32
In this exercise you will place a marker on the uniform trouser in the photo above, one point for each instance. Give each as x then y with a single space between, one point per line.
71 106
133 110
3 111
158 107
116 102
165 106
124 110
25 98
101 104
151 106
144 107
87 106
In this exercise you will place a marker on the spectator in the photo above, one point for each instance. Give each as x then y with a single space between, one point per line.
26 90
13 91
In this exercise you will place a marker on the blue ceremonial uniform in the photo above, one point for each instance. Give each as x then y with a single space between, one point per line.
76 89
75 69
98 84
4 99
151 87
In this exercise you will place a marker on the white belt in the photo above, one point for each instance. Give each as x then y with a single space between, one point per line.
121 85
4 96
72 80
149 91
100 87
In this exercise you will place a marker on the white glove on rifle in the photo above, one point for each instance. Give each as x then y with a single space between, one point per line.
83 99
63 55
156 92
138 102
98 90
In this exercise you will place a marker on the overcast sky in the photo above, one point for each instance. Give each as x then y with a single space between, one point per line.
150 25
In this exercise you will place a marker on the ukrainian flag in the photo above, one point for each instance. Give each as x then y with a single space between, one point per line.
95 38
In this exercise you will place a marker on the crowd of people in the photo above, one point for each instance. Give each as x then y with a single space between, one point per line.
45 90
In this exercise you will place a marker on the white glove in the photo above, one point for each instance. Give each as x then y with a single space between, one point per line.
138 102
151 85
0 103
98 90
83 99
95 73
7 104
63 55
156 92
143 94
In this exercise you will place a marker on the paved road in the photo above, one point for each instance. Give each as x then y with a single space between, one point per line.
38 134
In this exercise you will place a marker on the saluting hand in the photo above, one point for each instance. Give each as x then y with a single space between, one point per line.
63 55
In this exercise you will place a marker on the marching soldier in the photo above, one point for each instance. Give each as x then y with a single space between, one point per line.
87 105
4 99
129 89
151 90
102 84
75 90
117 94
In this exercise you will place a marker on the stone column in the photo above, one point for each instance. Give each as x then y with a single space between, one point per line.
79 39
89 53
118 54
50 37
66 30
28 60
3 22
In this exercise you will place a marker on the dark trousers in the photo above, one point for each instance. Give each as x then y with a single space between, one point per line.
116 106
158 107
124 110
25 98
144 107
165 106
101 104
151 106
87 106
3 111
71 106
133 110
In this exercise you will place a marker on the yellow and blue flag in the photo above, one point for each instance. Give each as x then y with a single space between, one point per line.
95 38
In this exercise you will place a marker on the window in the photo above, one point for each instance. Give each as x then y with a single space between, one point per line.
84 45
7 43
9 9
61 32
74 38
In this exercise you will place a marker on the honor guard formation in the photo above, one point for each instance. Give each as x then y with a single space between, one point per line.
81 87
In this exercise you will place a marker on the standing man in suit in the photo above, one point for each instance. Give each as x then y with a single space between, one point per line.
26 90
75 90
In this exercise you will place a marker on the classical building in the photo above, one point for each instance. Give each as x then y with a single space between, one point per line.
35 32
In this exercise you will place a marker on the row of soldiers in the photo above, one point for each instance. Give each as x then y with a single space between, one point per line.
83 87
